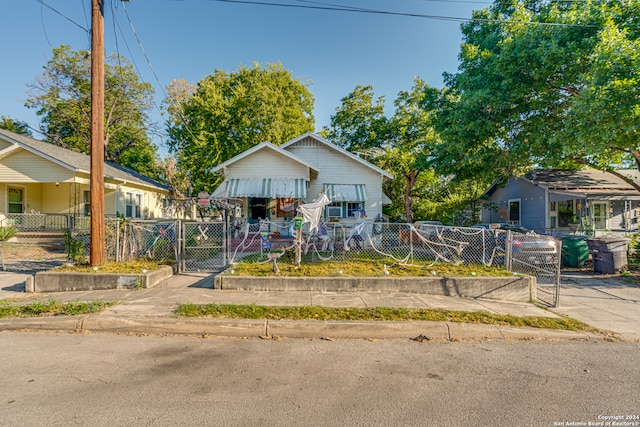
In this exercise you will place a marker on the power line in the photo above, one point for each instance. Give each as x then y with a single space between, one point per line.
64 16
181 118
338 8
144 53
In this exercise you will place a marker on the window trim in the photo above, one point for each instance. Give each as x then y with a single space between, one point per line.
136 209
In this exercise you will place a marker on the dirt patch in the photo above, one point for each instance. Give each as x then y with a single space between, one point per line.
31 251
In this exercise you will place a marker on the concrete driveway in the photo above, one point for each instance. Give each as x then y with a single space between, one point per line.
603 301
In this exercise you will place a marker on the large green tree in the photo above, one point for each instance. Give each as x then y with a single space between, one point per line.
16 126
401 144
543 83
359 123
227 113
62 97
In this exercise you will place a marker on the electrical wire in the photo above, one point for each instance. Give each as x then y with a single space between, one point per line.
325 6
64 16
155 75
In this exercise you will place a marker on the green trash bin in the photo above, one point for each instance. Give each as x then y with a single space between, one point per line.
575 250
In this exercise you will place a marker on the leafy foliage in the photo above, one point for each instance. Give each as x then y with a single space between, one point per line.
556 85
403 144
15 126
7 232
230 112
62 97
359 123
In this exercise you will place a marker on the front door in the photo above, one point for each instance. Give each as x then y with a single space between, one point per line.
600 212
258 208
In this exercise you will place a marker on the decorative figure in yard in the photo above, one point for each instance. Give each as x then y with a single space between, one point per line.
357 231
264 235
323 235
274 257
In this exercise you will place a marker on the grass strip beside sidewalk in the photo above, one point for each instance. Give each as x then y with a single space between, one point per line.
53 308
231 311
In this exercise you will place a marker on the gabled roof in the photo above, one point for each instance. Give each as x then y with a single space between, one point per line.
74 161
581 183
338 149
263 146
586 179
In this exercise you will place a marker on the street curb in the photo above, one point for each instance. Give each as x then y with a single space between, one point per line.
246 328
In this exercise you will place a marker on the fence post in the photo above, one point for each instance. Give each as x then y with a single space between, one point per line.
117 248
181 246
508 245
559 263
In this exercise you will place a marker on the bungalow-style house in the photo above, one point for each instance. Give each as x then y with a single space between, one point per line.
565 201
52 182
269 181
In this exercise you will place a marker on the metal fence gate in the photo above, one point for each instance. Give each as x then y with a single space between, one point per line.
203 246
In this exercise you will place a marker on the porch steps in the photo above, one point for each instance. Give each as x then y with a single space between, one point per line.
42 237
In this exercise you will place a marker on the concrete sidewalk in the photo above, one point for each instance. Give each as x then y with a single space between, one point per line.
602 303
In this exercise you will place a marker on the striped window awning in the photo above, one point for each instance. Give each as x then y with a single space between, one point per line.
346 192
266 187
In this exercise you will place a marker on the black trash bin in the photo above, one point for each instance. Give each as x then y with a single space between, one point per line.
609 254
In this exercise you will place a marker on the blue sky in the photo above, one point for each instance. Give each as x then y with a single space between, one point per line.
173 39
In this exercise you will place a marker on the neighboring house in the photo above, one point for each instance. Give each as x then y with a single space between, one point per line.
269 181
563 201
37 177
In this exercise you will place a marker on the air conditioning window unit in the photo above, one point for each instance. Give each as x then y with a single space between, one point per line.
334 211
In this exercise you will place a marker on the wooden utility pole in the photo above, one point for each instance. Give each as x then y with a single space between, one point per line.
97 250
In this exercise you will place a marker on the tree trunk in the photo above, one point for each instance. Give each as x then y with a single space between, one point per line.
410 178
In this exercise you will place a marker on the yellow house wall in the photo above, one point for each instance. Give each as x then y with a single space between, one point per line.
24 166
151 201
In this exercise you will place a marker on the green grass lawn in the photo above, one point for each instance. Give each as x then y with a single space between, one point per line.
365 266
53 308
230 311
121 267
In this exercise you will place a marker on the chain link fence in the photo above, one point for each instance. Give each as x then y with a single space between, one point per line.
404 244
204 246
126 240
35 222
78 238
210 246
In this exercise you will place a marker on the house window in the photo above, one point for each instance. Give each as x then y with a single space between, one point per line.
354 208
565 212
133 205
344 209
514 211
86 202
552 207
15 200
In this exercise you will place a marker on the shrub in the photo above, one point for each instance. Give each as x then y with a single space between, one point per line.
7 232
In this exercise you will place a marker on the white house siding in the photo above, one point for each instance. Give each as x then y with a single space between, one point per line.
337 168
24 166
267 163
